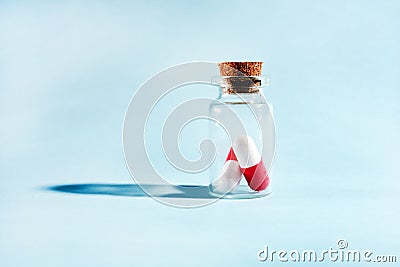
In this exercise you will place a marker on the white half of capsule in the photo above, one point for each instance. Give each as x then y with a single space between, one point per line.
229 178
246 151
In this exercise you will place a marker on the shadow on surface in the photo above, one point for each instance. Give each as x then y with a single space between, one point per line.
134 190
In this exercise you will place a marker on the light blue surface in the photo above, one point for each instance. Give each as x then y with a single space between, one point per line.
68 71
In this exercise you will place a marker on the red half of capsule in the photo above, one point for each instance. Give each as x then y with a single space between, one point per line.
231 155
256 176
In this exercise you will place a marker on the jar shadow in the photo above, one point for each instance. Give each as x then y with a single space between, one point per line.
134 190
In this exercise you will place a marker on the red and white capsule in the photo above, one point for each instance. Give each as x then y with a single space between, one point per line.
230 176
251 163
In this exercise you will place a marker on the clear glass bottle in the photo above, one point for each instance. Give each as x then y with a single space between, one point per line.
243 133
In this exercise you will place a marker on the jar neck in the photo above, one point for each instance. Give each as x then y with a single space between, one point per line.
240 85
242 98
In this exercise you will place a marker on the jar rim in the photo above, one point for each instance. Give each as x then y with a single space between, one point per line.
251 81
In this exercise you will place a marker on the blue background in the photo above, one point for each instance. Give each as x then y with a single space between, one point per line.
69 69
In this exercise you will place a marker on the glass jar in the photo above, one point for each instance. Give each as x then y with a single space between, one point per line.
243 133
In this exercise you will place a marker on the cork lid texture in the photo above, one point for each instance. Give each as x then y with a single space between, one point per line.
240 68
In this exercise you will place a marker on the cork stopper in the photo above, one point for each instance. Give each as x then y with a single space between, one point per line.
240 68
240 77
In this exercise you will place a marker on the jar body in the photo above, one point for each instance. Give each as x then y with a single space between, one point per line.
243 133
